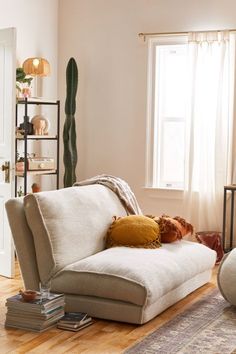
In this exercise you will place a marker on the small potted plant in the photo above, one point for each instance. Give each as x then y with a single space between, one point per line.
21 79
20 192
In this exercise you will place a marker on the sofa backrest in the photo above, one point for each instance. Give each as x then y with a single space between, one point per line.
69 224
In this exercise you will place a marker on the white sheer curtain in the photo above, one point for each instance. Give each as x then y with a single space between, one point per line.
209 127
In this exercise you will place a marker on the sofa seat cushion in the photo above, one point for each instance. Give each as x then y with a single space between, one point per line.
69 224
135 275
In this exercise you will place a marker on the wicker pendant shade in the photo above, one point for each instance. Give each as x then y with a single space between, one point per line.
36 67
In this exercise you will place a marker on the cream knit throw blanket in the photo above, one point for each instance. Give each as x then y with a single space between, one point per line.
118 186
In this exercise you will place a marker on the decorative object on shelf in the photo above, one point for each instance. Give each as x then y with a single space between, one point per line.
19 132
26 92
41 125
28 128
40 163
20 163
37 67
35 188
69 131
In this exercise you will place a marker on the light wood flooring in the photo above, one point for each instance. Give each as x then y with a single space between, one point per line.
103 337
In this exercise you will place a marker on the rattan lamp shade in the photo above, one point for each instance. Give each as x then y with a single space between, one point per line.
36 67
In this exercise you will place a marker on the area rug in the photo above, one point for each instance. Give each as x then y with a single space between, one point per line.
207 327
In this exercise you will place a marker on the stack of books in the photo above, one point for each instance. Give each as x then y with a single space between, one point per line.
74 321
37 315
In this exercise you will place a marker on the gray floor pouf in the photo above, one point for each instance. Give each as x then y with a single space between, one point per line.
227 277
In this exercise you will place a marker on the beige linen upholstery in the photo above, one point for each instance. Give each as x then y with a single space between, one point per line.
24 243
60 235
135 275
127 312
69 224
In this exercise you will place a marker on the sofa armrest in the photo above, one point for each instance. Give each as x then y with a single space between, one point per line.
24 243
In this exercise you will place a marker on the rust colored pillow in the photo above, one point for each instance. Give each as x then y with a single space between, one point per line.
173 229
133 231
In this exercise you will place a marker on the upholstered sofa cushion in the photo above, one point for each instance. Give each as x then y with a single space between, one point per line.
135 275
69 224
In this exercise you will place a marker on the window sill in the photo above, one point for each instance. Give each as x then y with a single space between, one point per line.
165 193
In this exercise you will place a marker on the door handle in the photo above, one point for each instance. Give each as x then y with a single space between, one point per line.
6 169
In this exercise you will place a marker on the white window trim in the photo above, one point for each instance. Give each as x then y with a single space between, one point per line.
151 123
164 193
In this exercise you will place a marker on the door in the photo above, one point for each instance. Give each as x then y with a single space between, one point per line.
7 143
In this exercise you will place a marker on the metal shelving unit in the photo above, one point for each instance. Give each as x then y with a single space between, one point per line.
26 137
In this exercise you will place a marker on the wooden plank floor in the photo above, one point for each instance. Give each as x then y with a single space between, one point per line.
103 337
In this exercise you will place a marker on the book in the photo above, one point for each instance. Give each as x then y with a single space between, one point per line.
74 317
74 321
38 305
36 312
74 324
32 324
74 329
36 315
18 300
30 329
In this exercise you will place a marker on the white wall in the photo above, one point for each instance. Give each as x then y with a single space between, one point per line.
112 62
36 23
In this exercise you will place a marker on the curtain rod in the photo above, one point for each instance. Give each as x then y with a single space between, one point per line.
149 34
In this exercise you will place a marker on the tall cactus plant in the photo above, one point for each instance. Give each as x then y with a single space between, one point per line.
69 131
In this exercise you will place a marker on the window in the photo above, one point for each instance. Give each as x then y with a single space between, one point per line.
191 116
167 99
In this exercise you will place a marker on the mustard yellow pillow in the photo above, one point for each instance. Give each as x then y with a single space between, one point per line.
133 231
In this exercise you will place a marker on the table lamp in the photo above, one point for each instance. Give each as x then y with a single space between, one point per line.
37 67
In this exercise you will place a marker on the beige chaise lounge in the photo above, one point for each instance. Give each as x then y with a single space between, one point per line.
59 235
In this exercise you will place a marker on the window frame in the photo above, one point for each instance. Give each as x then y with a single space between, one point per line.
152 130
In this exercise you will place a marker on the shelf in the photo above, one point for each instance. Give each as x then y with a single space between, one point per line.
36 100
37 137
35 173
22 141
